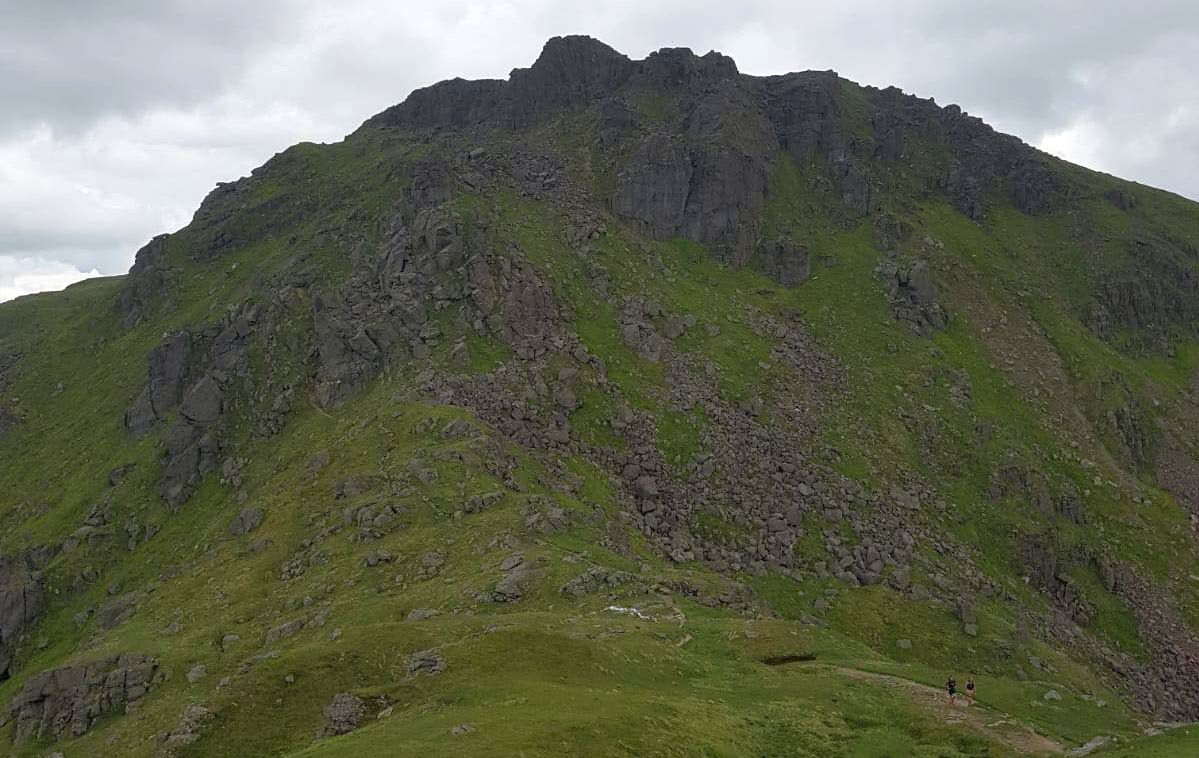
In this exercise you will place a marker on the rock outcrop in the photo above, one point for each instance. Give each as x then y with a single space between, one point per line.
66 702
344 713
186 731
1157 294
914 297
147 282
22 600
707 181
569 71
166 370
784 261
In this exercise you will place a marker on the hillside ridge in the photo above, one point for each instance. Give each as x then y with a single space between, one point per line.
537 410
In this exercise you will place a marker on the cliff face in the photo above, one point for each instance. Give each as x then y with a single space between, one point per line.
624 341
706 178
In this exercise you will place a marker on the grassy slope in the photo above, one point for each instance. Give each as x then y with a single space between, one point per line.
629 687
628 681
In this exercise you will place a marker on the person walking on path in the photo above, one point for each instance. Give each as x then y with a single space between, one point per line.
970 690
951 687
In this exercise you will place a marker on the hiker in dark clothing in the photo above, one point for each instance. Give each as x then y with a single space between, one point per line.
951 687
970 690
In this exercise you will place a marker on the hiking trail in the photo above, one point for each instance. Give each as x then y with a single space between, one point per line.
1019 737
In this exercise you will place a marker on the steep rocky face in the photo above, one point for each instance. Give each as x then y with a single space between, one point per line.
430 260
167 367
804 109
1156 295
707 180
22 600
148 281
187 378
711 196
570 71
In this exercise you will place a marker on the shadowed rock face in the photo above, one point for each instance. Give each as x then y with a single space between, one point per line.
22 599
803 109
574 70
456 103
1158 294
785 261
147 278
702 174
705 178
569 71
166 369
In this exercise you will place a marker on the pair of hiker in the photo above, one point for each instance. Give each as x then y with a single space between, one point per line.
951 687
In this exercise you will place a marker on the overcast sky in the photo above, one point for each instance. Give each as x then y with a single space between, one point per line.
117 117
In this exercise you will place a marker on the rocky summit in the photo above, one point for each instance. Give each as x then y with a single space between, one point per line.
620 407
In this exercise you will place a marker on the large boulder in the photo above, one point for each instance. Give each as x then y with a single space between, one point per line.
203 403
344 713
426 662
247 521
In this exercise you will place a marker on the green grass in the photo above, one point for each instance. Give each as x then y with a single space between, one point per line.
1172 744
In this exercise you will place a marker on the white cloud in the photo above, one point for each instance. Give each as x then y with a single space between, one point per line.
25 276
1081 142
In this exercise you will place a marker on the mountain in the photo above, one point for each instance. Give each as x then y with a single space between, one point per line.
617 408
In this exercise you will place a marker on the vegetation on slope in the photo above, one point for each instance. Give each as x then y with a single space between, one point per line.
372 508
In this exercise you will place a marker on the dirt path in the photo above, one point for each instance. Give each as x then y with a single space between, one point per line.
1018 737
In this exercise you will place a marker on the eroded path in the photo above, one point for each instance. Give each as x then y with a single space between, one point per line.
996 726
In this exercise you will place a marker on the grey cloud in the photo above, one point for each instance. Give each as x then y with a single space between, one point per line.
67 63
